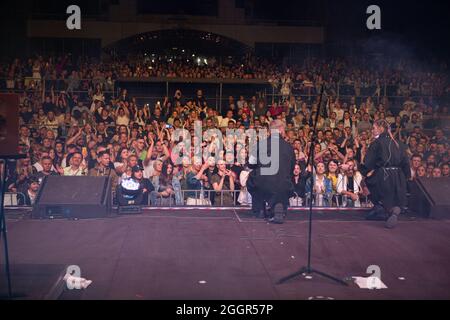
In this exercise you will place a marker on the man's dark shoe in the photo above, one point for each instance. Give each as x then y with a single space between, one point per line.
376 214
392 221
260 214
278 214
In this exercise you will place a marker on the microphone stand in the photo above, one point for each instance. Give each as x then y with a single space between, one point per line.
3 230
308 269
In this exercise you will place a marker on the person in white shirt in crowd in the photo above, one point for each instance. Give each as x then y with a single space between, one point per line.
228 118
349 184
77 166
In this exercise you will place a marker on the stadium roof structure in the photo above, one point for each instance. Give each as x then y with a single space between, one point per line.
179 43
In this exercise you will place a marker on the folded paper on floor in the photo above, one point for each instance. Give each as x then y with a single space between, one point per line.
369 283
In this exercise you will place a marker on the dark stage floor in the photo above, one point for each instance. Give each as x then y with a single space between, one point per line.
229 255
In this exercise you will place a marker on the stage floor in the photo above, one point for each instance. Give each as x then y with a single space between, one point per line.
227 254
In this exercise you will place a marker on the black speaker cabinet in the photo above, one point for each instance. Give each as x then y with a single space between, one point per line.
434 195
73 197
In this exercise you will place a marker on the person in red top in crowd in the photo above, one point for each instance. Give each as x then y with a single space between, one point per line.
275 110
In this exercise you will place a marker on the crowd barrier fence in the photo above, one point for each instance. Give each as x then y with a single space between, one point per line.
211 198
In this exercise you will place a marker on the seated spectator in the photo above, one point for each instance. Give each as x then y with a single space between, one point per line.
146 186
229 118
322 187
134 190
364 124
18 178
429 170
76 165
121 164
413 123
421 172
437 173
416 162
332 174
28 196
38 166
349 185
47 164
299 182
103 169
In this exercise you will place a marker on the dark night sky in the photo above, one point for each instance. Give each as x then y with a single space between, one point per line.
422 24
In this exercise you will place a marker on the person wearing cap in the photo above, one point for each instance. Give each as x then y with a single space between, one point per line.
137 173
273 188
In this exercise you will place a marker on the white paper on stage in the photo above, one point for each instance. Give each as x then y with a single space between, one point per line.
76 282
369 283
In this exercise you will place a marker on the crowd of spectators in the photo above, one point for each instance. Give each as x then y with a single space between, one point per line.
64 134
358 76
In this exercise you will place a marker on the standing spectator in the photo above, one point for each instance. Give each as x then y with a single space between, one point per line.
103 169
223 180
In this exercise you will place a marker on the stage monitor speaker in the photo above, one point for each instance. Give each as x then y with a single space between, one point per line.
435 197
73 197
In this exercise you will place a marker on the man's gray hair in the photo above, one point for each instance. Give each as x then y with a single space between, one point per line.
277 125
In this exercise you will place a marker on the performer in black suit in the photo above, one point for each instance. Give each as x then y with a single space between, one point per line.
386 166
274 187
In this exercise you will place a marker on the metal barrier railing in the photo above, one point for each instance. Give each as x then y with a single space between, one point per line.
43 85
212 198
15 199
343 91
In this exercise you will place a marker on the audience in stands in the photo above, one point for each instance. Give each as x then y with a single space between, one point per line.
65 132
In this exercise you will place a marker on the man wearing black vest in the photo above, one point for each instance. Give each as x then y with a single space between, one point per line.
271 182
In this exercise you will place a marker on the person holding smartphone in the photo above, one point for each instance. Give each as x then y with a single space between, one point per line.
223 180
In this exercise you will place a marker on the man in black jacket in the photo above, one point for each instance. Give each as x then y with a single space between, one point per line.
28 196
386 166
272 182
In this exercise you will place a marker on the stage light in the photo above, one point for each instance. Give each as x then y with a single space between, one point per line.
129 192
130 185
